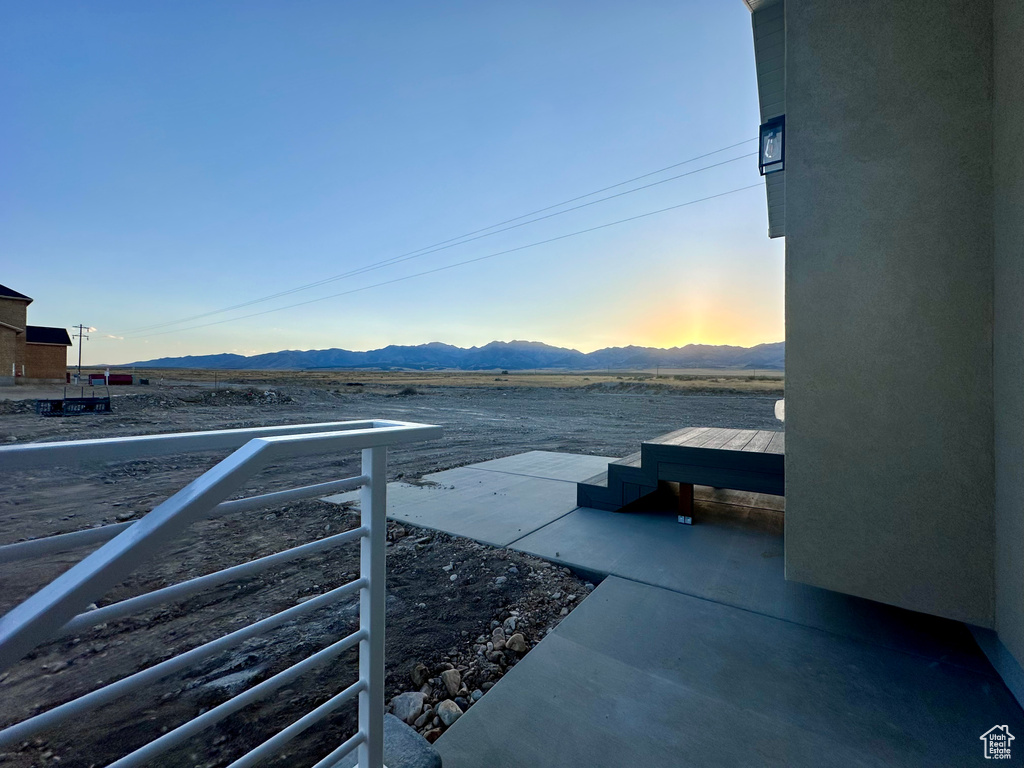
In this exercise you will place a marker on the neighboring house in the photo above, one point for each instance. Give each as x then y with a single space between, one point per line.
901 202
13 312
29 353
46 352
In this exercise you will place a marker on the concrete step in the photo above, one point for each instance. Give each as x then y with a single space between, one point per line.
738 459
633 460
599 480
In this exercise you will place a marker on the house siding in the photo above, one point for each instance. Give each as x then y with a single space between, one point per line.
8 354
890 472
46 361
12 353
1008 119
13 312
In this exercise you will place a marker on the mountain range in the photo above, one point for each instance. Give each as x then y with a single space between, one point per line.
498 355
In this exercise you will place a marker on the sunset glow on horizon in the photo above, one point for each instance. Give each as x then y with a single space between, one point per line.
176 162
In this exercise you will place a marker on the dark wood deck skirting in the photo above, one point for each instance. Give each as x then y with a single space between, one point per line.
738 459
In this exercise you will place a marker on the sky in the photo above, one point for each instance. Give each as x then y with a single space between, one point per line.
164 160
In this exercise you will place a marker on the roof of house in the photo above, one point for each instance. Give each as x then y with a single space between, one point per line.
769 24
41 334
10 293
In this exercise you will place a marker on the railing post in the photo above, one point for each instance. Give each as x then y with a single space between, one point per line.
373 506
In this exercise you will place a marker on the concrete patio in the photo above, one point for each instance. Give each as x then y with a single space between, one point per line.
695 650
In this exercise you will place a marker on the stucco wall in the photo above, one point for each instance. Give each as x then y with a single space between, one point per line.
46 361
1008 125
889 306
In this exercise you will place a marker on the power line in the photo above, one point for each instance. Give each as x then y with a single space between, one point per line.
456 264
399 259
603 189
462 240
469 236
81 336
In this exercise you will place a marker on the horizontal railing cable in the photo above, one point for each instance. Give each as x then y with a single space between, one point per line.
274 743
34 725
144 755
292 494
62 542
190 587
332 759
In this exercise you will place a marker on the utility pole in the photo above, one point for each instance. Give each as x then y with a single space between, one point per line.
80 336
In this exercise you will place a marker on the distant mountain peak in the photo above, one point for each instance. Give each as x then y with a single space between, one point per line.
497 355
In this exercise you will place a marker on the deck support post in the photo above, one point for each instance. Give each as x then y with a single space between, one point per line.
685 509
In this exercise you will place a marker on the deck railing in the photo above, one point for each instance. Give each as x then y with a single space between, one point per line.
59 608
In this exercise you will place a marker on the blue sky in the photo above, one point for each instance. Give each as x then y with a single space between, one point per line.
164 159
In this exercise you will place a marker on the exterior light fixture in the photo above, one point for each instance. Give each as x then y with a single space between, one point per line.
772 156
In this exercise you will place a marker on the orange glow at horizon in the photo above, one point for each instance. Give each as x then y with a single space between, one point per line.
703 321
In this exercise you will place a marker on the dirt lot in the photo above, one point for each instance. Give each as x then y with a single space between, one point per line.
686 379
433 619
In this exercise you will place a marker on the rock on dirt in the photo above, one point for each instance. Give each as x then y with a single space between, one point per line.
449 712
452 681
407 706
420 675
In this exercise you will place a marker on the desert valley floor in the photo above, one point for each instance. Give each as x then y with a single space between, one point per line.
431 620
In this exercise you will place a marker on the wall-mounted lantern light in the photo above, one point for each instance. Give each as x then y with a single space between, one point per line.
773 150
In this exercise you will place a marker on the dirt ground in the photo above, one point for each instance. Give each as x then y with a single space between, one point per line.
433 620
686 379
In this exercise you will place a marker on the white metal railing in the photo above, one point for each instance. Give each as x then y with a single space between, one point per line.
57 609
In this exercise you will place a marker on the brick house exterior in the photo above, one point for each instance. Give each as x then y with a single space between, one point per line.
29 353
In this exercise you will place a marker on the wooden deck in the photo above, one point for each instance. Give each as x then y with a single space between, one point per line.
739 459
746 440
